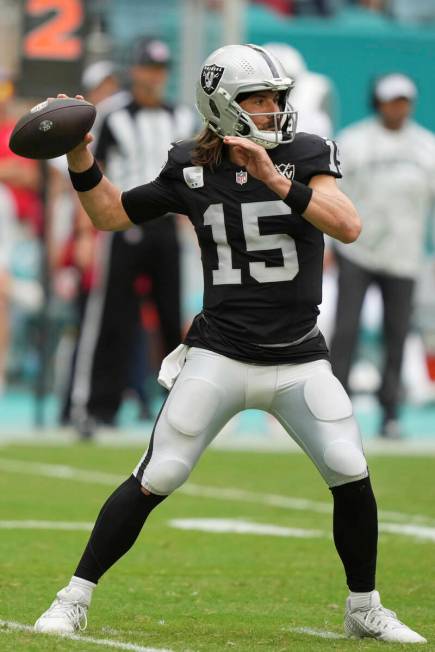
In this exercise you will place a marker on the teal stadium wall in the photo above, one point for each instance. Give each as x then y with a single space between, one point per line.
352 48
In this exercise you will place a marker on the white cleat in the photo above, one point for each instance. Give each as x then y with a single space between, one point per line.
66 615
377 622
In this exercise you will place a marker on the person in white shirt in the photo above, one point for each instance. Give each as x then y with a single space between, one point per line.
313 95
389 165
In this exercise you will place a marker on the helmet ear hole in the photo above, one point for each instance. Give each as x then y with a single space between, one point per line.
243 129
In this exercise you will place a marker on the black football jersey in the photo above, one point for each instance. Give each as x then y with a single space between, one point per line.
262 262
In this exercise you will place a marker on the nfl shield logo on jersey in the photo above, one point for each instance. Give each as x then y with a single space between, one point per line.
241 177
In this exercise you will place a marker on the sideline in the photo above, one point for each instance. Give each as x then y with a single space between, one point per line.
10 625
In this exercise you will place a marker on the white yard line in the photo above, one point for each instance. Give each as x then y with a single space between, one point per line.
287 502
105 642
240 526
320 633
59 471
203 491
416 531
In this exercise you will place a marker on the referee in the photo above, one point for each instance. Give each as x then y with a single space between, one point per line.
132 145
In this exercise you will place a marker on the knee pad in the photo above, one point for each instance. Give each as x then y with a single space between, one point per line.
326 398
345 458
193 406
163 477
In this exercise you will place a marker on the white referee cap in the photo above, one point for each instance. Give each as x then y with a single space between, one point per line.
96 73
394 86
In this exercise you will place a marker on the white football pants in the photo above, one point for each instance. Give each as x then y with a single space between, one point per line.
307 399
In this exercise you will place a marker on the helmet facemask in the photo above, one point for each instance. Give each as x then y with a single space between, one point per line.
284 124
241 122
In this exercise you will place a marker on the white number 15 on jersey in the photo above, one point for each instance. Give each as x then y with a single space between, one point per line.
251 212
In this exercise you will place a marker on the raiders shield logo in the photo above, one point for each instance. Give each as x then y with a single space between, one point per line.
210 78
287 170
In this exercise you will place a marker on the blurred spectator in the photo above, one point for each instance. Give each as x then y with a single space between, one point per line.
302 7
374 5
313 95
412 12
132 146
315 7
389 173
7 219
20 175
285 7
19 201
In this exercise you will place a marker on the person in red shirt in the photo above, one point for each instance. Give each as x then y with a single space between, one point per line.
19 174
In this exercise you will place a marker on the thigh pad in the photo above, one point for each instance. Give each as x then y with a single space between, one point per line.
193 406
326 398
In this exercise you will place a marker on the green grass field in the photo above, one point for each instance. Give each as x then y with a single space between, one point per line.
198 590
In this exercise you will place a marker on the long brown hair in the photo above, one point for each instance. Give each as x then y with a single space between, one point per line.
208 149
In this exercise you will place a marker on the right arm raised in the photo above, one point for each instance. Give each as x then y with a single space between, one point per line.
103 202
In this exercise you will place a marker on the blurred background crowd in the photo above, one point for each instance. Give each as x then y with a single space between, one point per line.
86 317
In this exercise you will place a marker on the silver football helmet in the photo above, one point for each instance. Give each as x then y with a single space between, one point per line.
241 69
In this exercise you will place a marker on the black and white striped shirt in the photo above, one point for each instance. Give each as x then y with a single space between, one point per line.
134 141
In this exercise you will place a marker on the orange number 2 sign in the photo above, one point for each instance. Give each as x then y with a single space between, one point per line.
55 38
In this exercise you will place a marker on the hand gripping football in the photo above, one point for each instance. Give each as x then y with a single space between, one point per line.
52 128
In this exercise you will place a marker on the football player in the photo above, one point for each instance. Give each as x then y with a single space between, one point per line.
260 198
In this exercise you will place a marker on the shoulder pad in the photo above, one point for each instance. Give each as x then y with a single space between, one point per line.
309 141
181 151
303 146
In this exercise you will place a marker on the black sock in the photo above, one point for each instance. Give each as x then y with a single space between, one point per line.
356 533
116 529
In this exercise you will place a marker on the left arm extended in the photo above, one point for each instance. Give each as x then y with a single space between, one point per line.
329 209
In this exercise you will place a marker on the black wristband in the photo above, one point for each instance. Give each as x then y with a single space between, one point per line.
84 181
298 197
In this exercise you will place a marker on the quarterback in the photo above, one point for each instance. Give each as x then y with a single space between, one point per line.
260 198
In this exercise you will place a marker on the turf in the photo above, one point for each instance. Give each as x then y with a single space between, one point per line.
194 591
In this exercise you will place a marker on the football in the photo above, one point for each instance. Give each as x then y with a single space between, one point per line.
52 128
